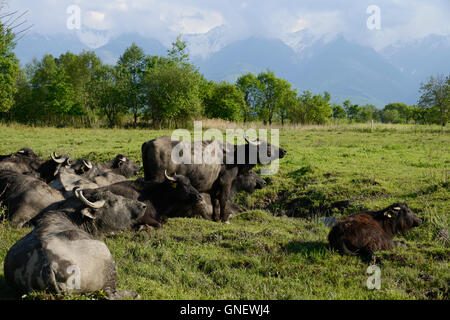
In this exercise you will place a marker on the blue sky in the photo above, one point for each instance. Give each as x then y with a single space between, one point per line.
401 20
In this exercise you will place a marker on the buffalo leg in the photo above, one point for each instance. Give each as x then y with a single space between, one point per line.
216 209
224 214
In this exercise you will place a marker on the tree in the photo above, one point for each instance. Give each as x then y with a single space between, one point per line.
404 111
178 51
436 93
133 64
316 108
353 112
367 113
390 116
226 102
9 68
275 97
268 83
172 93
107 85
338 112
79 70
60 99
347 104
23 105
250 86
286 99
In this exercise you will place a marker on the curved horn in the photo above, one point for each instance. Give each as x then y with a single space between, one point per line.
57 159
169 178
254 143
397 208
123 159
87 164
94 205
75 192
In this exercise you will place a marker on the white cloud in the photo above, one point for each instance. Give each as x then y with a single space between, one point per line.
422 20
95 20
163 20
193 20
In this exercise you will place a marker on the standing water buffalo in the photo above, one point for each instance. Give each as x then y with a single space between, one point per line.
213 175
63 254
163 199
366 232
25 196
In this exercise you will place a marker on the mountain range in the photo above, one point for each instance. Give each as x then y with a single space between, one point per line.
346 69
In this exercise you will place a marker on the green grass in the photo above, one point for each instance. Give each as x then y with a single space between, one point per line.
278 249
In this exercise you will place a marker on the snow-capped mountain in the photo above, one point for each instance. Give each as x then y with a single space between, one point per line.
203 45
301 42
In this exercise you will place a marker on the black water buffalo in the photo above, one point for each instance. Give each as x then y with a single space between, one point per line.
86 174
63 254
24 152
120 165
67 179
163 199
25 196
27 162
214 173
365 232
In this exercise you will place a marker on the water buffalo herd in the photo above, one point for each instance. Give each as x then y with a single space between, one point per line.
72 203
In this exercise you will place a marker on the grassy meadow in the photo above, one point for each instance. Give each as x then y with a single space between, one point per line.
278 248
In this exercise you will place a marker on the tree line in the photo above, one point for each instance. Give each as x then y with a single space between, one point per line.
141 89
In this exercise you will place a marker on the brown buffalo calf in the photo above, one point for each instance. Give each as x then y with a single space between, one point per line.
364 233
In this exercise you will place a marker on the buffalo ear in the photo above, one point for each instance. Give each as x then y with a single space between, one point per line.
87 213
174 185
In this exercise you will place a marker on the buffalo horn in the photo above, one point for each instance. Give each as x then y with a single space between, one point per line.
254 143
93 205
57 159
169 178
88 164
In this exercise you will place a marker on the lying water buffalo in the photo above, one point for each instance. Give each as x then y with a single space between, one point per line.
364 233
24 152
163 199
25 196
25 161
213 175
67 179
120 165
63 254
86 174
